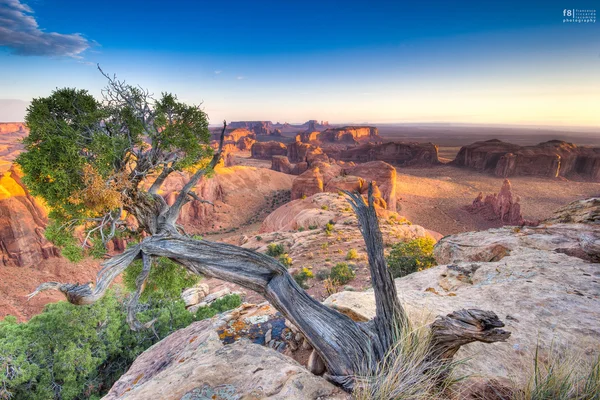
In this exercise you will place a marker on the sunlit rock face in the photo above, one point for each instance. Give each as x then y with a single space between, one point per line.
266 150
396 153
349 134
11 134
554 158
22 223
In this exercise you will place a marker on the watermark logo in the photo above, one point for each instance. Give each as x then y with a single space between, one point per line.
577 16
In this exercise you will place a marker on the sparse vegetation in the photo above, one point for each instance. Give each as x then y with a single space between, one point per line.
342 273
352 254
322 275
325 207
302 276
218 306
275 250
328 229
312 227
412 256
259 238
286 260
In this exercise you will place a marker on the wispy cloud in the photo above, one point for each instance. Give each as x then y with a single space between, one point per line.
239 78
217 72
19 32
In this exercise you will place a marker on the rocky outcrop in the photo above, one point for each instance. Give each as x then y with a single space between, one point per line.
585 211
308 136
194 363
238 194
11 127
503 207
22 223
258 127
396 153
266 150
546 297
553 159
383 174
304 152
307 184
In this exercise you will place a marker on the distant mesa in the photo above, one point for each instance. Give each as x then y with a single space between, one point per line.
266 150
554 159
504 207
258 127
349 134
12 127
397 153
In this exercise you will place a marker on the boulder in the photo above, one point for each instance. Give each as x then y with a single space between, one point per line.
193 363
266 150
553 159
545 298
396 153
22 223
503 207
195 295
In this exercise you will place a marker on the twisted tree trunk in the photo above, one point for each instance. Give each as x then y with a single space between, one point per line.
345 346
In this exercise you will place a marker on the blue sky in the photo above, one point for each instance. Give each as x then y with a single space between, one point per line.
351 61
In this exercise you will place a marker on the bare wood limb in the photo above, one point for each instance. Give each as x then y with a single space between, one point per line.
140 283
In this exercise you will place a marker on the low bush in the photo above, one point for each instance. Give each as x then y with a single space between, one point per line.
342 273
352 254
275 250
302 276
322 275
412 256
218 306
286 260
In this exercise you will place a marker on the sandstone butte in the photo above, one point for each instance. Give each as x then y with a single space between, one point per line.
266 150
258 127
553 159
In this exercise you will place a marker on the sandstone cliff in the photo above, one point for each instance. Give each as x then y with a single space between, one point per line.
553 159
266 150
22 224
258 127
10 127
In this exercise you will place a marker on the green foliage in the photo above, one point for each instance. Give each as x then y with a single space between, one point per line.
328 228
259 238
165 281
275 250
352 254
312 227
218 306
78 352
408 257
286 260
302 276
301 229
64 239
342 273
325 207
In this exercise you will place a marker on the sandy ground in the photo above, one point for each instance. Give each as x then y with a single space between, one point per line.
435 197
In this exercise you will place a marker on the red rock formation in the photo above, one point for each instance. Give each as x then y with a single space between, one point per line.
258 127
349 134
504 207
308 136
397 153
333 178
383 174
553 159
304 152
266 150
282 164
22 224
10 127
307 184
235 140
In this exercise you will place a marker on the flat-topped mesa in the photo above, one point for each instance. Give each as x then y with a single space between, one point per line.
258 127
238 139
396 153
554 159
22 224
349 134
266 150
11 127
503 207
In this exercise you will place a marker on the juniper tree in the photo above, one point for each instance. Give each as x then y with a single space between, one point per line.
95 161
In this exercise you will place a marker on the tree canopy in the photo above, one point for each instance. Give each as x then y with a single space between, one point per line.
92 159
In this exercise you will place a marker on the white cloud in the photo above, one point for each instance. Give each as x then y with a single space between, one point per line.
217 72
239 78
19 32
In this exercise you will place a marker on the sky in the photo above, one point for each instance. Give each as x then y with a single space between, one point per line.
490 62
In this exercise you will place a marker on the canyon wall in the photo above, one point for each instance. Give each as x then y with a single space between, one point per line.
397 153
349 134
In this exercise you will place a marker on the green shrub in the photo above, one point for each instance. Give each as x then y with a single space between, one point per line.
301 229
78 352
342 273
325 207
302 276
259 238
312 227
286 260
352 254
218 306
275 250
408 257
166 280
328 229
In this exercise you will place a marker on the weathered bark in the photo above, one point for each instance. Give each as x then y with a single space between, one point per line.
344 346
